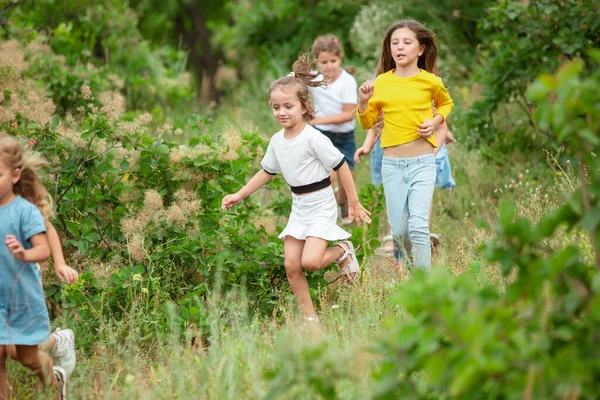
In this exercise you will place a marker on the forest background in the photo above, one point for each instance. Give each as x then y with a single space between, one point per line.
151 111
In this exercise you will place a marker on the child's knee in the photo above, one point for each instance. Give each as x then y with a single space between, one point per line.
9 351
311 263
419 234
30 360
293 268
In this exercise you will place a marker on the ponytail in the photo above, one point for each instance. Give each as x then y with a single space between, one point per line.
302 77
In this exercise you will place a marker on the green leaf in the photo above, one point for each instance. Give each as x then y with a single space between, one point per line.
163 149
92 237
591 219
569 70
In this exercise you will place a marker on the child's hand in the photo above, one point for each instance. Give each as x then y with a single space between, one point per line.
365 91
358 213
230 200
15 248
66 274
450 138
427 128
363 150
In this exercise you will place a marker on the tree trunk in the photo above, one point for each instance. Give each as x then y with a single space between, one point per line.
203 57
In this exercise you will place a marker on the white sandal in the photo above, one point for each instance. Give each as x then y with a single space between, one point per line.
351 267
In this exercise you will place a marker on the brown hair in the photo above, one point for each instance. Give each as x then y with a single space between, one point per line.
301 78
331 44
426 38
328 43
29 186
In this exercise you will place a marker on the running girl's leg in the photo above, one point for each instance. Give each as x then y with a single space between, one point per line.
292 249
316 255
396 188
40 363
422 179
3 374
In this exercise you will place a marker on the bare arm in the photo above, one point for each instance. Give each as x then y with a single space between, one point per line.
257 181
348 114
373 135
356 210
440 136
54 244
38 253
62 270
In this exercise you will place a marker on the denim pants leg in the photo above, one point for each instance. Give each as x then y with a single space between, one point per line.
408 184
376 157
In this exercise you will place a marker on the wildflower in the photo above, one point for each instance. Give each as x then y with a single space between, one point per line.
145 118
144 290
175 215
136 247
86 92
137 277
153 201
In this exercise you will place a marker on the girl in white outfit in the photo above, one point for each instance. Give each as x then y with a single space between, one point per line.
305 158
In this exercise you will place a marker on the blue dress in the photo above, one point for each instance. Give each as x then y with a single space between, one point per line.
23 313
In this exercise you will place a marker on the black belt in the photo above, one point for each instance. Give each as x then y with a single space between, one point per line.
312 187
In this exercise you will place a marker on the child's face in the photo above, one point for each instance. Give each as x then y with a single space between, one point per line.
329 64
287 108
8 178
405 47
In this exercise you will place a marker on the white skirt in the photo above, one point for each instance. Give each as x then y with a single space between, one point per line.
314 214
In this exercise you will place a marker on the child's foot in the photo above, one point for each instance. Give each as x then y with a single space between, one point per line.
64 350
312 326
348 263
61 377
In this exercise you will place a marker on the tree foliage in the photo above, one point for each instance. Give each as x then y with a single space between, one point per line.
521 40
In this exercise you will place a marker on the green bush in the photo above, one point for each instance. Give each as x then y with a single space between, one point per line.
520 41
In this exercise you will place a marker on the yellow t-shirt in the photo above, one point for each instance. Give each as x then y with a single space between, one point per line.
406 103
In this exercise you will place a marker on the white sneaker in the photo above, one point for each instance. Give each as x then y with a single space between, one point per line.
61 376
63 351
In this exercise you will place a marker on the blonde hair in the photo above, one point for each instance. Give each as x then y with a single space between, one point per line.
30 163
301 78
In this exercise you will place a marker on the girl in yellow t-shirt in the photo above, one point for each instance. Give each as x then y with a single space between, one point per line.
404 90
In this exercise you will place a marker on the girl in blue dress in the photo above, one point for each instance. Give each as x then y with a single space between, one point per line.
23 314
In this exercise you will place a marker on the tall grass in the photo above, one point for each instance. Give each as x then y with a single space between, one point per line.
244 355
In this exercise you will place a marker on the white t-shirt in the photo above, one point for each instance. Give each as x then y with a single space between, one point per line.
330 100
303 160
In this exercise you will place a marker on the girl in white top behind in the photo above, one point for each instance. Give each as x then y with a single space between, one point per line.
335 103
305 158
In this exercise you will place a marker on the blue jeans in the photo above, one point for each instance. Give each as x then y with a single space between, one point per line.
444 177
376 157
408 185
345 143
